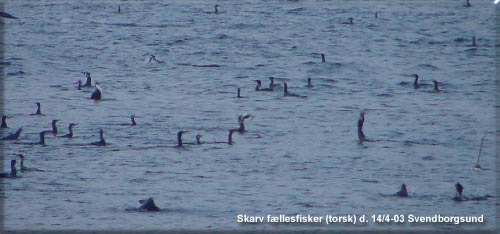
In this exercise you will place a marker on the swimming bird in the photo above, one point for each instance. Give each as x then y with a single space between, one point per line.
4 124
7 15
70 129
258 87
12 136
198 137
24 168
361 121
459 196
309 85
42 137
288 94
153 58
403 192
54 127
474 41
179 138
230 136
38 109
468 4
241 122
88 83
238 96
101 141
148 205
21 160
415 83
272 85
132 119
216 9
323 59
350 21
97 94
13 170
436 88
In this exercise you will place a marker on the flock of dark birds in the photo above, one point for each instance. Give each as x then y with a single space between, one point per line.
148 204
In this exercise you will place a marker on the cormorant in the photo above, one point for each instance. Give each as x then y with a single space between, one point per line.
101 141
361 120
7 15
54 127
309 85
38 109
13 170
460 189
241 122
179 138
88 83
436 88
288 94
4 123
70 129
97 94
403 192
350 21
12 136
258 87
132 118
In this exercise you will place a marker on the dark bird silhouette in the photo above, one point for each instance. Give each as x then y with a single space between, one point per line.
54 127
70 129
238 96
436 88
361 121
13 170
309 85
258 87
288 94
88 83
179 138
4 123
12 136
101 141
97 94
24 168
152 58
132 119
7 15
403 192
460 189
38 109
241 122
42 137
350 21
